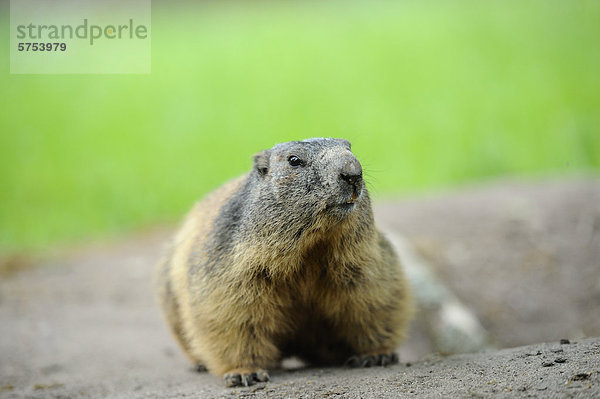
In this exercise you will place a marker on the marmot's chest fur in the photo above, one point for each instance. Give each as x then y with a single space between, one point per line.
285 260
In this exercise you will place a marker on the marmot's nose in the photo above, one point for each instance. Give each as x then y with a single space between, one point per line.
351 171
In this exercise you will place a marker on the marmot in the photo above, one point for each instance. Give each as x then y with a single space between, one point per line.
284 261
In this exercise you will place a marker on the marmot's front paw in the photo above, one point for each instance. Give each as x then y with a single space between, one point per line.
381 359
244 377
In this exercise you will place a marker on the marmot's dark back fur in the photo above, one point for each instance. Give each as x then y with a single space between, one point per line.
285 260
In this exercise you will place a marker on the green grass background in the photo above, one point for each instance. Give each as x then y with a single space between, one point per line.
431 94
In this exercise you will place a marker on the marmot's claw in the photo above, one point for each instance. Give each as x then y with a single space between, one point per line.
368 361
372 360
353 361
245 379
384 360
261 376
232 380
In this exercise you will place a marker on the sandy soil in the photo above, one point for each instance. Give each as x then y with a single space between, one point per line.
525 257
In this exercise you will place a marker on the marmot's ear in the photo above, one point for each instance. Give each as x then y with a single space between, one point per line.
261 162
345 143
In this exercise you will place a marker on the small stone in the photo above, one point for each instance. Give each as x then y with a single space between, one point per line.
581 377
547 364
557 350
537 353
565 341
560 360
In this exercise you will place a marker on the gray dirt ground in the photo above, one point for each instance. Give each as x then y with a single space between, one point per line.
525 257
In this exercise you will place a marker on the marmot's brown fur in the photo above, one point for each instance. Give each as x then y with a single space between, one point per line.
283 261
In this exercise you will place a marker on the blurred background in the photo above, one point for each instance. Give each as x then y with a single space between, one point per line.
431 94
477 124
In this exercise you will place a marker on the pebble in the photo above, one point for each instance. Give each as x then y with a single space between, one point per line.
533 353
581 376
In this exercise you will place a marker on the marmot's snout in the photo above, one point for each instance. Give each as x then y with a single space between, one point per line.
351 173
347 173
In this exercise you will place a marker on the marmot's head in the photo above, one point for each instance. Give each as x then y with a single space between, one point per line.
314 177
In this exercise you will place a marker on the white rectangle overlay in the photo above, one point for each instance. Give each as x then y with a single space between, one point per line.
80 36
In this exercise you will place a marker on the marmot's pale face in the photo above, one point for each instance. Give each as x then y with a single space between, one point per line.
316 177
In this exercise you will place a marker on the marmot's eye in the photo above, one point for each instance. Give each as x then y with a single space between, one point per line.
295 161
